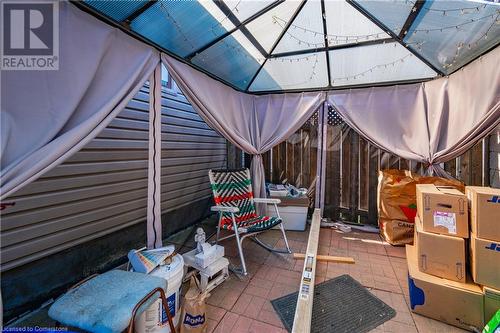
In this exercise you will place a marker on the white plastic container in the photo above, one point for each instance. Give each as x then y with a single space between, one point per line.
154 319
294 217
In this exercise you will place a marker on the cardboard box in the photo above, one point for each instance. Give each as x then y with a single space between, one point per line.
484 205
455 303
491 302
443 210
440 255
485 261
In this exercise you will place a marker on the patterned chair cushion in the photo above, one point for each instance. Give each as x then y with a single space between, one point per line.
255 224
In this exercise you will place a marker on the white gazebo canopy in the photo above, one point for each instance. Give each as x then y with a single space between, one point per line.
263 46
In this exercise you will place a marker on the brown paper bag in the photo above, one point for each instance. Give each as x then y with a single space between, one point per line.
193 314
397 202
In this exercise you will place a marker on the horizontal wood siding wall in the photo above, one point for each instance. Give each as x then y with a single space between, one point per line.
103 187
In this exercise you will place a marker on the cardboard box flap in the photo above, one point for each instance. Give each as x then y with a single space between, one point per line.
436 189
449 190
484 190
411 257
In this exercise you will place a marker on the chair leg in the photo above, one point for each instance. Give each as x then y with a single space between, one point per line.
240 248
217 236
264 245
284 237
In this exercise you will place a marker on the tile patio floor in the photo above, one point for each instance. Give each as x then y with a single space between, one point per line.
243 305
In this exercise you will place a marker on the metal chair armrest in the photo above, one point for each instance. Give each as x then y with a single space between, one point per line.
144 300
267 200
225 209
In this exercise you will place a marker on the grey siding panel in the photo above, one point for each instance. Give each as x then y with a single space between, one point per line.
103 187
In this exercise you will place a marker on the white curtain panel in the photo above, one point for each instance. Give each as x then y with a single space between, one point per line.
46 116
431 122
253 123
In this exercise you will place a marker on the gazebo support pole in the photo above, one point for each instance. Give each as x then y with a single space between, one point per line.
154 232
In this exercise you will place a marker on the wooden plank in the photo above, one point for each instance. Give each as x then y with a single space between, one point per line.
476 174
276 164
303 312
313 155
364 173
266 160
283 161
289 162
333 180
404 164
306 158
354 177
319 257
346 176
297 158
373 183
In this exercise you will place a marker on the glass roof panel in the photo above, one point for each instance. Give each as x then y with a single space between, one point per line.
451 33
296 72
347 25
266 28
391 13
118 10
182 27
376 63
233 59
305 32
243 9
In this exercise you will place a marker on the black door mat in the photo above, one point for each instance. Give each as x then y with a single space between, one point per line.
341 305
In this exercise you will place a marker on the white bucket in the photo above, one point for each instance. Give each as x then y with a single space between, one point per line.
154 319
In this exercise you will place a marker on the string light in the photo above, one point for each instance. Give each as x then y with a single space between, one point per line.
282 59
457 26
460 45
176 24
234 9
463 10
332 38
371 69
336 39
310 77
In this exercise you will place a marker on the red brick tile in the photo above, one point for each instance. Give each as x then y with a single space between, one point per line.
211 325
242 325
242 303
215 313
227 323
257 291
270 317
253 309
260 327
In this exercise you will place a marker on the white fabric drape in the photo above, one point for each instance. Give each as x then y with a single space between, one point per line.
253 123
431 122
46 116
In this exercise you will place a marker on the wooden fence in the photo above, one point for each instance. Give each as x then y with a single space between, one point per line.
351 167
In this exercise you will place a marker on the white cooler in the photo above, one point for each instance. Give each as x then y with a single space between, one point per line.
293 211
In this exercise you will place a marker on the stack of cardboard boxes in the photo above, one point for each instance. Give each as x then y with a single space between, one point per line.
485 244
440 285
